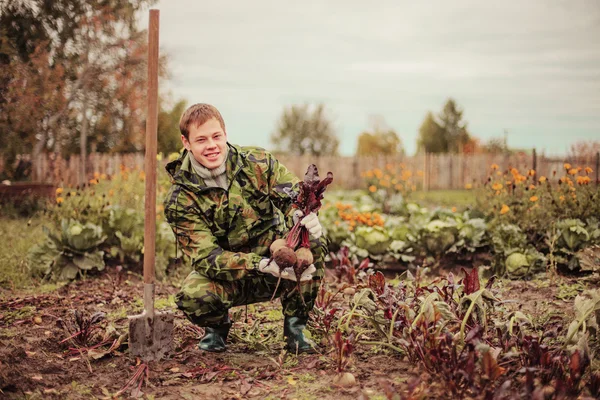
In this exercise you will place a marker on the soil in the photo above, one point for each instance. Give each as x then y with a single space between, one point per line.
37 362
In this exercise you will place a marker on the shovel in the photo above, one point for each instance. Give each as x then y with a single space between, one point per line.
151 333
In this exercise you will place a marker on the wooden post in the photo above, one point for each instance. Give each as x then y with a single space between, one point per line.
151 146
597 168
534 165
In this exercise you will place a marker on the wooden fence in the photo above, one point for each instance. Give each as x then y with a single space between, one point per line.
430 171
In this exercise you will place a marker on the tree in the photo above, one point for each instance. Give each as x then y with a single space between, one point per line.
102 56
380 139
305 130
495 146
432 138
169 135
455 130
446 133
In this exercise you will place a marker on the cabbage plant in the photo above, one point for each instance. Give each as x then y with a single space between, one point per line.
72 253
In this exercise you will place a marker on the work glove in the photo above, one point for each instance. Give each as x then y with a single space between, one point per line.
307 275
272 268
311 222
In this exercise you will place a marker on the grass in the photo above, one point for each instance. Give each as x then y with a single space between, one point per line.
460 199
18 235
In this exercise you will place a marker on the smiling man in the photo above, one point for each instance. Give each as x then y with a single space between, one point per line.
226 205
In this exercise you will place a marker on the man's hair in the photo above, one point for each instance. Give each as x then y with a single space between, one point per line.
197 115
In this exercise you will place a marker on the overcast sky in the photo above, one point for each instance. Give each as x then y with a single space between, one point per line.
531 67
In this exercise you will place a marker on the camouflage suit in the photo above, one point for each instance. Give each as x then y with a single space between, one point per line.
226 233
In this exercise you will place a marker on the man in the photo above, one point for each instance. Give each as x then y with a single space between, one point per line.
226 205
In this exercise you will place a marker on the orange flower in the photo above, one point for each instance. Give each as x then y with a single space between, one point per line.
504 209
453 209
59 200
542 179
468 186
588 170
567 166
494 167
533 199
59 190
93 182
562 198
499 173
497 186
531 187
372 188
96 175
573 171
532 172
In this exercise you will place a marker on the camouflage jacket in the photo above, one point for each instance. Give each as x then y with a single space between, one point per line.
227 232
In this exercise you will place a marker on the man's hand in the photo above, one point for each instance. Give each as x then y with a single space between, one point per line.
307 275
311 222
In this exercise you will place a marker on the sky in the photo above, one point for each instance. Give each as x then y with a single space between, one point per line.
528 68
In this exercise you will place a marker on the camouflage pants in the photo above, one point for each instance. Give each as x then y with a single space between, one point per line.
206 302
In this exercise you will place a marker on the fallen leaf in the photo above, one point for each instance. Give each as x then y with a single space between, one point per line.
74 359
37 320
37 378
30 353
291 381
50 391
245 388
47 333
174 369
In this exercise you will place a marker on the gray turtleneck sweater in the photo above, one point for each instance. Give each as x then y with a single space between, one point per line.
216 177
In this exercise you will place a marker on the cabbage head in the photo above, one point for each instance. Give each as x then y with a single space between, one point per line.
374 239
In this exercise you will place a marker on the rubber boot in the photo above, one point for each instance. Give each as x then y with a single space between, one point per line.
296 342
215 337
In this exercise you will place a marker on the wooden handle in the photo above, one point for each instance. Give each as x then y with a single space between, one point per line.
150 157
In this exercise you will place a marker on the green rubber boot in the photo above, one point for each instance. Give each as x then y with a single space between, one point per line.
215 337
296 342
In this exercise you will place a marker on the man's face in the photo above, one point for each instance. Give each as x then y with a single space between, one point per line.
207 143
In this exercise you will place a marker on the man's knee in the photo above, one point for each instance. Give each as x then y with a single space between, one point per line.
200 300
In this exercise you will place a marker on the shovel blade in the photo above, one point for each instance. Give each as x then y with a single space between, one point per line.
151 338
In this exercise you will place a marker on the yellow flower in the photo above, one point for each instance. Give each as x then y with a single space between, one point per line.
468 186
159 157
494 167
372 188
497 186
103 176
542 179
567 166
533 199
532 172
59 200
499 173
588 170
73 193
59 190
504 209
562 198
573 171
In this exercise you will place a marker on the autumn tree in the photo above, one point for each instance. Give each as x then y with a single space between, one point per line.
101 54
305 130
379 139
